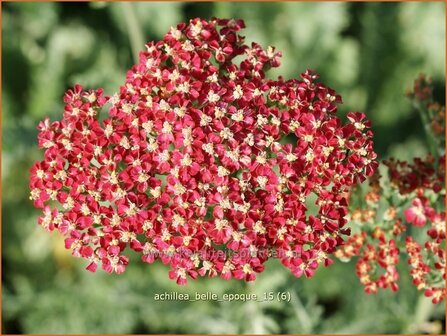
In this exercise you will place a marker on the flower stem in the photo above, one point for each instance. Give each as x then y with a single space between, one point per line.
433 148
133 29
422 314
254 314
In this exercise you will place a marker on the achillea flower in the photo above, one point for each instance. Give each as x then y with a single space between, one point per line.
412 193
189 162
376 245
416 214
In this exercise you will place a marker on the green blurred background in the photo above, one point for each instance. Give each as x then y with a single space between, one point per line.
369 52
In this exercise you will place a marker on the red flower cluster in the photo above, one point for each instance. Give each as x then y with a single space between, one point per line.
191 162
419 176
413 194
419 201
422 272
386 257
431 112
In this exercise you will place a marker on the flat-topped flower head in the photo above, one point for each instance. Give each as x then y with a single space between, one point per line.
190 163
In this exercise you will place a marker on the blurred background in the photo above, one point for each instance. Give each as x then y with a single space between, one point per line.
369 52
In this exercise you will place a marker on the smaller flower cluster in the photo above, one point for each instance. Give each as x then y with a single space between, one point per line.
351 247
374 259
381 224
418 176
422 89
432 113
437 111
411 195
377 252
422 272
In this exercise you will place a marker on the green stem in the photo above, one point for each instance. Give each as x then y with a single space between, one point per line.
254 313
422 314
428 132
133 29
